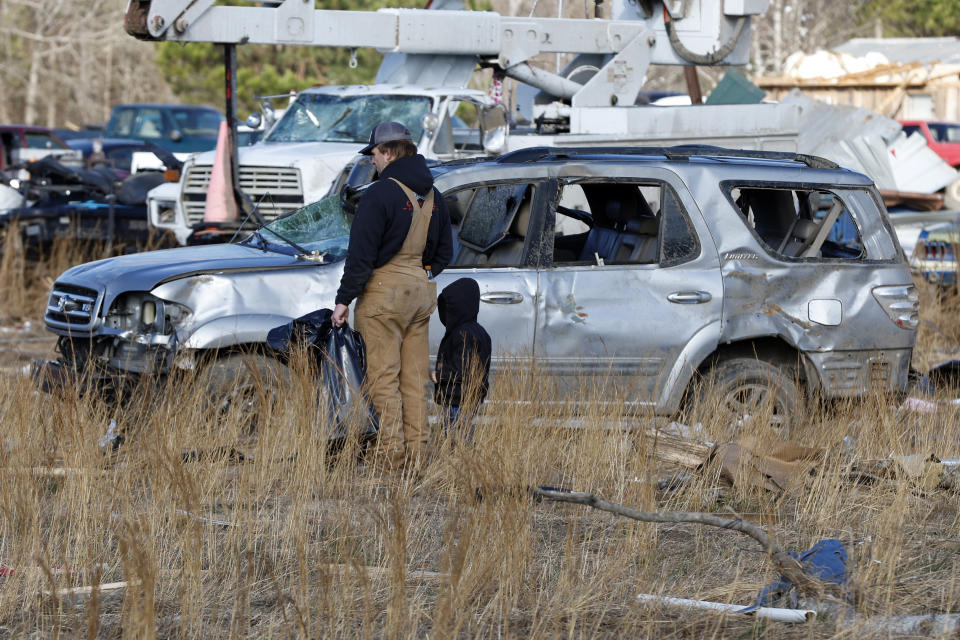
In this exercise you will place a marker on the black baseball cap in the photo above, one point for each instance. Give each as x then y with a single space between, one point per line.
386 132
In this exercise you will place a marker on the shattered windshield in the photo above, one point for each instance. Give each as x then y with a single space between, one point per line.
322 226
320 117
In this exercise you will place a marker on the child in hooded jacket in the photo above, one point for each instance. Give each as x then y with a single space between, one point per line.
463 359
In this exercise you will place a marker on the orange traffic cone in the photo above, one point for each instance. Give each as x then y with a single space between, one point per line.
221 206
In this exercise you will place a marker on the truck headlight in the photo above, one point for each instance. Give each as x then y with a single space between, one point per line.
166 213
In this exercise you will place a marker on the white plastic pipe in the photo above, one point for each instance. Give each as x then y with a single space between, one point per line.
771 613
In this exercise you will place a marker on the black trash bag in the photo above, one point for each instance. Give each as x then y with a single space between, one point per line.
340 358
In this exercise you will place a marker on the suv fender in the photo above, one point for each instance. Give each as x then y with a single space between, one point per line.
233 330
698 349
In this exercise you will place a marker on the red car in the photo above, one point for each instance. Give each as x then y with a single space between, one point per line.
942 137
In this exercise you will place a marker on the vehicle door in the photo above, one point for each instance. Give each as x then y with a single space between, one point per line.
498 225
633 294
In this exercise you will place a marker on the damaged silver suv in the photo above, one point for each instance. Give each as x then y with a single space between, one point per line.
774 275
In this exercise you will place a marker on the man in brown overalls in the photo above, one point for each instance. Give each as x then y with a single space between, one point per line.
399 240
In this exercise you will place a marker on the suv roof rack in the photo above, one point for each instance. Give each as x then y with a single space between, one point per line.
678 152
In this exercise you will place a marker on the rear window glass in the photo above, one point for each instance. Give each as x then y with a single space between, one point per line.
197 121
798 223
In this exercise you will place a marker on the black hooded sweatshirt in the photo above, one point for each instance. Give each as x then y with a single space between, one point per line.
465 348
383 220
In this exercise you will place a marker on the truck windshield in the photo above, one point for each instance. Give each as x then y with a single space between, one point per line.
321 117
321 226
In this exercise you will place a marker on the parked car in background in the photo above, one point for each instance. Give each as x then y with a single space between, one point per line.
114 153
21 143
177 128
934 256
88 132
643 270
942 137
59 201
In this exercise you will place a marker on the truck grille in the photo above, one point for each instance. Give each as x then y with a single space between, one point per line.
72 307
277 189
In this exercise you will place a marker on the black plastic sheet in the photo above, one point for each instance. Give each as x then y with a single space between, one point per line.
339 355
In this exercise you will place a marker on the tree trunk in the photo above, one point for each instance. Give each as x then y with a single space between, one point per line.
33 81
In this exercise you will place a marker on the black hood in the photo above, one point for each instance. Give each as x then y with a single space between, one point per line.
459 303
411 171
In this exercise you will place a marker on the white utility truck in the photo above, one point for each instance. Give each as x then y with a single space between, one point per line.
431 56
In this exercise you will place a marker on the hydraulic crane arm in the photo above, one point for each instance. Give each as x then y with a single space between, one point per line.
678 32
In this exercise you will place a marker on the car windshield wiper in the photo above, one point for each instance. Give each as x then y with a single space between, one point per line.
311 256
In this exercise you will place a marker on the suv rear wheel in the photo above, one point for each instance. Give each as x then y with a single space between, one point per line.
747 389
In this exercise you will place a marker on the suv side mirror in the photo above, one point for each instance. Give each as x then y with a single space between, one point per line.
176 136
494 128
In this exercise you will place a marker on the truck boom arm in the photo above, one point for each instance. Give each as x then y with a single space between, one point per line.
641 33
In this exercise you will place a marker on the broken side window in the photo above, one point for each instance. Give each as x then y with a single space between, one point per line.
679 243
622 223
493 222
800 223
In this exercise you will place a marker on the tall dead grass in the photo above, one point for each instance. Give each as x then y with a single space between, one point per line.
294 541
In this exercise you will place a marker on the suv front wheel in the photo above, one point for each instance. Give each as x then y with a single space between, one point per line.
744 390
245 385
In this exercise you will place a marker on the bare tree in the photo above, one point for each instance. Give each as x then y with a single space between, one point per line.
789 26
68 61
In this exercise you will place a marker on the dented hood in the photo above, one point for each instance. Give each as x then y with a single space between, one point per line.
144 271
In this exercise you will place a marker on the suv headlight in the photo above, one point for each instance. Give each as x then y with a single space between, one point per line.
145 313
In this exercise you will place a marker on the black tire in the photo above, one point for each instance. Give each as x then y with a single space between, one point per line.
243 385
744 388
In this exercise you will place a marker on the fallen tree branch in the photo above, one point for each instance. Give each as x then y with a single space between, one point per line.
788 566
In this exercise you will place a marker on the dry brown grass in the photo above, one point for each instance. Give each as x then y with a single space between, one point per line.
309 545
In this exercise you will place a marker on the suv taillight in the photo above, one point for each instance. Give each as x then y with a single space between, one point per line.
901 303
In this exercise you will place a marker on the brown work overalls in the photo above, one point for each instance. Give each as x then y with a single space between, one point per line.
393 314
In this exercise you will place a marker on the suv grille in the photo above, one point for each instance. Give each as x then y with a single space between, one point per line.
279 187
72 307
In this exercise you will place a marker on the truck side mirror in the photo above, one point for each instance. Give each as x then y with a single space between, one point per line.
176 136
494 128
253 121
430 122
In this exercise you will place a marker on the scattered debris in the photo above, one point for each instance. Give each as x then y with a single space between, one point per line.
867 142
193 516
770 613
415 575
111 440
775 466
55 472
826 560
918 405
72 592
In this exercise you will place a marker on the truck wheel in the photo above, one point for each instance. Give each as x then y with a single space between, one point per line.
244 384
743 389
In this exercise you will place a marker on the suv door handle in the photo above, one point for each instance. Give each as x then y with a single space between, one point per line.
689 297
502 297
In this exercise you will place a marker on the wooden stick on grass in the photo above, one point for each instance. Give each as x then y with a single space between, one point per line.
788 566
